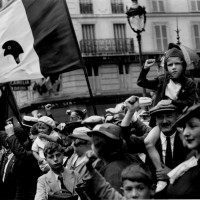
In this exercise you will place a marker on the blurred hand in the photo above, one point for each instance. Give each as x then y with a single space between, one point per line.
9 130
149 63
40 161
161 174
91 157
48 107
35 113
61 126
42 136
132 103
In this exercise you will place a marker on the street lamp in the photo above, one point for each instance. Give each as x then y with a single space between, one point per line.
136 16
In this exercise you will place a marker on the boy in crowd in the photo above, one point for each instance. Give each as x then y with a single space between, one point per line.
58 180
137 183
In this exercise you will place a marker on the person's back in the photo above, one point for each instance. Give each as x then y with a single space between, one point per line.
111 149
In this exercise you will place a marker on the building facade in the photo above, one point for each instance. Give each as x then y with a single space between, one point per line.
110 49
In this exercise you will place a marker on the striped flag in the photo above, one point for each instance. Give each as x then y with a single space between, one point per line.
36 39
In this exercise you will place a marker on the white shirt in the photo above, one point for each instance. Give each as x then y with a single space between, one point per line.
38 144
172 90
164 144
56 176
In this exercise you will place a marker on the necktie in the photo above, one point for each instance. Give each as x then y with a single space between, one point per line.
168 158
60 178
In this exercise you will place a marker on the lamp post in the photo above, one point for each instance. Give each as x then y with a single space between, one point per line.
136 16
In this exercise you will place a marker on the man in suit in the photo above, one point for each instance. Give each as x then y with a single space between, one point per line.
58 179
169 144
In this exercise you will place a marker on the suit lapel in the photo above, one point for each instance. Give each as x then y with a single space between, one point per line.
69 179
52 182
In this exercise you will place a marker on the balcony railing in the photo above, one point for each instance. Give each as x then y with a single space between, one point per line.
107 46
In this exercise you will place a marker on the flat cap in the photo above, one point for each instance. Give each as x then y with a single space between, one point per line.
163 105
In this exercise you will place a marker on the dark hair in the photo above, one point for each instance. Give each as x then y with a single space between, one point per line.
107 146
139 173
52 147
34 129
21 134
80 113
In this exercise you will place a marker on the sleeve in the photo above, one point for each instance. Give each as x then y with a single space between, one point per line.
144 82
3 137
35 146
41 193
103 189
188 98
18 149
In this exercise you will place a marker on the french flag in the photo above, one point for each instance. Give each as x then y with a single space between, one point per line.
37 40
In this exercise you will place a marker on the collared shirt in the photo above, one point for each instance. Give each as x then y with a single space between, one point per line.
172 89
56 176
164 144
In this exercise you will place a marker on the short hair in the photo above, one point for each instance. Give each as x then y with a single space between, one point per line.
34 129
139 173
52 147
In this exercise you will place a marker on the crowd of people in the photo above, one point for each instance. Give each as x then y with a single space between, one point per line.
142 149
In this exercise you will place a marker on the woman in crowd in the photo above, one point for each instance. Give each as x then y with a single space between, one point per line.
185 178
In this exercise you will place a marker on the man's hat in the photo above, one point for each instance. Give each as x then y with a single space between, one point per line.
162 106
29 121
94 119
80 133
187 114
109 130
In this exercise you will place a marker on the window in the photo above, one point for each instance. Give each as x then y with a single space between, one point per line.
86 7
196 31
161 37
195 5
117 6
158 6
88 31
120 37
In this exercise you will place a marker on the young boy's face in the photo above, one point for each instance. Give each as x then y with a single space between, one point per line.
174 67
136 190
44 128
55 160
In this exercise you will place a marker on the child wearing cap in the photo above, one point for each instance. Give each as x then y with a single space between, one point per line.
45 133
173 85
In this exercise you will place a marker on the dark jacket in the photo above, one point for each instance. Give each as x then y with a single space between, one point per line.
27 169
186 96
111 171
179 153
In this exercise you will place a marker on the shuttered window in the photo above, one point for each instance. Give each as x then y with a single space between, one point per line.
161 37
196 30
158 6
117 6
86 7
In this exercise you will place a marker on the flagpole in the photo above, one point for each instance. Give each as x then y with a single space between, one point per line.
89 88
17 114
82 63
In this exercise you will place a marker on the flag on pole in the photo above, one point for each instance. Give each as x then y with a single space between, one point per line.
37 39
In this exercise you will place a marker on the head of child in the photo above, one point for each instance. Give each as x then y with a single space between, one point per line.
137 182
175 63
54 154
34 132
46 125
